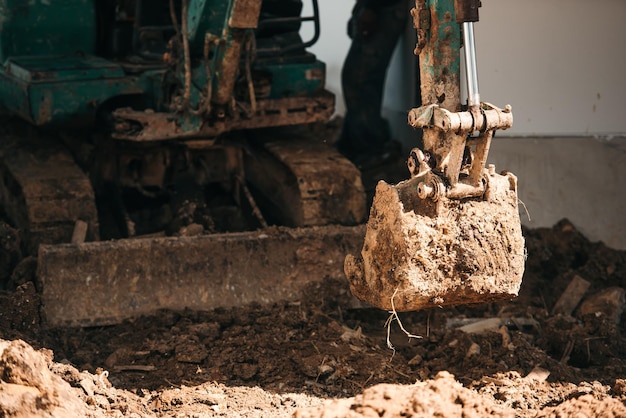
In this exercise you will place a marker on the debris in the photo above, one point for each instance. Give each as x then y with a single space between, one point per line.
24 271
479 325
190 230
609 302
80 232
489 324
571 297
619 388
473 350
134 368
538 374
351 334
416 360
506 337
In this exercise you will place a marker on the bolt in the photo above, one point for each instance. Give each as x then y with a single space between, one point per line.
425 190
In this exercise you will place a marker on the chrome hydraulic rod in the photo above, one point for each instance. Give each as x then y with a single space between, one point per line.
471 71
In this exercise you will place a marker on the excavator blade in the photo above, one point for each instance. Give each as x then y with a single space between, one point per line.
420 254
101 283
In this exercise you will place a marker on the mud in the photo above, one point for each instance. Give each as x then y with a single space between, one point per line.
323 356
422 253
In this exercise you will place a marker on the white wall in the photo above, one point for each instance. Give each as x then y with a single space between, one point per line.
560 63
334 42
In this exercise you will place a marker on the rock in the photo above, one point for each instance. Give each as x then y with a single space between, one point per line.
609 302
29 389
571 297
24 271
483 325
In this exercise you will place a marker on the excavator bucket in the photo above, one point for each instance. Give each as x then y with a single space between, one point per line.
420 254
451 234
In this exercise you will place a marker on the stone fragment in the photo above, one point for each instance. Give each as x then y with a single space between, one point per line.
609 302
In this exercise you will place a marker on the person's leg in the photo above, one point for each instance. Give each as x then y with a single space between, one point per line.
365 131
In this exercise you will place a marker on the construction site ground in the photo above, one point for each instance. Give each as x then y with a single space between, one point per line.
326 356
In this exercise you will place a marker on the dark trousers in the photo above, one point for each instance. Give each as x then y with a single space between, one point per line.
365 131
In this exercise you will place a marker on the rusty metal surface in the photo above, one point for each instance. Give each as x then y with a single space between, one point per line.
158 126
245 14
440 56
307 182
466 10
43 205
104 283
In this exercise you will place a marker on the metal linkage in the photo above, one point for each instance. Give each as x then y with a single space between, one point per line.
449 148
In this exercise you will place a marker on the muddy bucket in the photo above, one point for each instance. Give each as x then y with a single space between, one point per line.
426 252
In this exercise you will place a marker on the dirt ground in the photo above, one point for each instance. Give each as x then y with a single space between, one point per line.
326 357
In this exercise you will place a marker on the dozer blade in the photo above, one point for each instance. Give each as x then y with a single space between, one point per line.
101 283
420 254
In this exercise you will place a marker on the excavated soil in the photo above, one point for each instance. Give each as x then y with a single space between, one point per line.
322 357
418 254
326 356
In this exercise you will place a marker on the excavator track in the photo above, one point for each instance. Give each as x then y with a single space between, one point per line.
91 283
42 190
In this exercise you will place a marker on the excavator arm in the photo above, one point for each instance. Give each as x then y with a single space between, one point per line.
450 234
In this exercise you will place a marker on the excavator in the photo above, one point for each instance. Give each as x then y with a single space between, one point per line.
163 154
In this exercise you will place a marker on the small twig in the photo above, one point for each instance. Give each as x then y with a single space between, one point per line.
170 383
569 347
319 373
525 208
589 347
394 315
367 380
134 368
399 372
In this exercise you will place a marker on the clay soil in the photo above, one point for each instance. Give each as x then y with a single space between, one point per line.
326 356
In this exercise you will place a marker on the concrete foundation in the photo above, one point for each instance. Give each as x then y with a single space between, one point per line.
581 179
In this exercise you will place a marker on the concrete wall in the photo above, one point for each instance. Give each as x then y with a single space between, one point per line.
582 179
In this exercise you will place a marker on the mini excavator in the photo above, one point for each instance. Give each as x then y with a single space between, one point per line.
158 154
